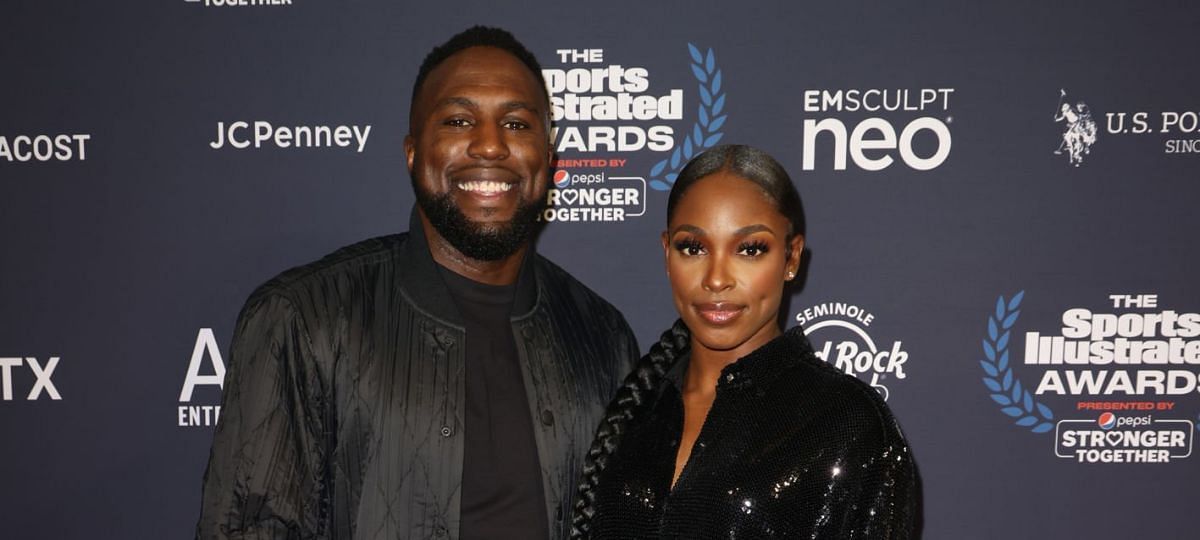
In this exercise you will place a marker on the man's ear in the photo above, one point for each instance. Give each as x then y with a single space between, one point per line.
409 149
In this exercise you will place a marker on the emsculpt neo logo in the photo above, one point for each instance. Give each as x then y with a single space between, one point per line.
901 126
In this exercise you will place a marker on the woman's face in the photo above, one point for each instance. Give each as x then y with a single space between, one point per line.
727 259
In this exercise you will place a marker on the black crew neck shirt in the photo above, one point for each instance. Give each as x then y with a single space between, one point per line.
502 496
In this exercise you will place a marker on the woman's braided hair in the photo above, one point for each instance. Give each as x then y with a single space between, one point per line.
639 386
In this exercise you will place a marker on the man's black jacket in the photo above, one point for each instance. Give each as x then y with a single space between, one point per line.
343 408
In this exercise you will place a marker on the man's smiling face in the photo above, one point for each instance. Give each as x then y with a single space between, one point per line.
479 151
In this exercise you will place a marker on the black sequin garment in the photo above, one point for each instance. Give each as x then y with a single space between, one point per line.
792 448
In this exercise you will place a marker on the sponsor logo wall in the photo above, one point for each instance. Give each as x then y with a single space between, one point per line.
1001 224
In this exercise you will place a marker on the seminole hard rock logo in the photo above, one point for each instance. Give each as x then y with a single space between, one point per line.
839 332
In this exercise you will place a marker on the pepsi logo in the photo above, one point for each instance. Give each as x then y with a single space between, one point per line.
562 178
1107 420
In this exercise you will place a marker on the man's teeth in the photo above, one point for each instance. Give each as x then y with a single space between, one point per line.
485 186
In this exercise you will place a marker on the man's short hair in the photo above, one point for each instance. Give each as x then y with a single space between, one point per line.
478 36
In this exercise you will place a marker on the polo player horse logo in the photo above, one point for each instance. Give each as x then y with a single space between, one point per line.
1080 134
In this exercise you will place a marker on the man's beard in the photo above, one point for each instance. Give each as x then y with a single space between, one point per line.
482 242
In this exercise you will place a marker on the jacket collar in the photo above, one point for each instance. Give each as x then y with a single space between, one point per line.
761 366
419 277
769 362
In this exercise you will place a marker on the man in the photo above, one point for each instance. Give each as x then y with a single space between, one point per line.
440 383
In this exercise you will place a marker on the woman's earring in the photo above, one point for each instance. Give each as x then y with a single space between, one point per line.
791 275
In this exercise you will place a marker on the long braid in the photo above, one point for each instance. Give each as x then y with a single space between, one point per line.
643 382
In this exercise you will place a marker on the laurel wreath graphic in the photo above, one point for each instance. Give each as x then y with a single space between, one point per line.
706 130
1013 398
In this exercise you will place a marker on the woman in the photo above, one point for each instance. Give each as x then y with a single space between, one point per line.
730 427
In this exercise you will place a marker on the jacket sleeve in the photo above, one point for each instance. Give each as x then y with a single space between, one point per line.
265 476
881 494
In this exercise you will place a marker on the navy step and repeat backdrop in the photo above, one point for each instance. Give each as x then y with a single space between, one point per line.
1001 202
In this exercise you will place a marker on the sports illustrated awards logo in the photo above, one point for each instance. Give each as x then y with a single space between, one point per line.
839 333
1126 371
911 125
62 147
241 135
202 415
1179 129
617 135
11 370
1079 131
240 3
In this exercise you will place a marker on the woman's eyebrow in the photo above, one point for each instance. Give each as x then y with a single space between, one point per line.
690 229
751 229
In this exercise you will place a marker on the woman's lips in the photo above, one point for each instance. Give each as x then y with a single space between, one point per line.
720 313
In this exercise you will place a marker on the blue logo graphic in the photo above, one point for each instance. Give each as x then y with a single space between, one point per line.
1107 421
1007 391
562 178
706 131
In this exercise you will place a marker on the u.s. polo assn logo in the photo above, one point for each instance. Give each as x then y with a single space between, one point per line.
1176 127
841 335
1126 369
1079 133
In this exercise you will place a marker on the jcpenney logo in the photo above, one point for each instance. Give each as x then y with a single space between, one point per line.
241 135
